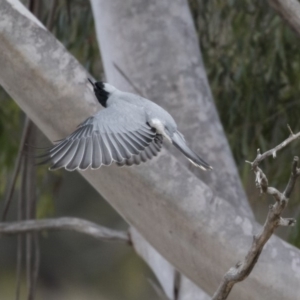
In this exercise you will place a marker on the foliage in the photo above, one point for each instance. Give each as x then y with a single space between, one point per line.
72 23
74 27
10 128
252 60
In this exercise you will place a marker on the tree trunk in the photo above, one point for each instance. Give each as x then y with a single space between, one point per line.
155 44
193 224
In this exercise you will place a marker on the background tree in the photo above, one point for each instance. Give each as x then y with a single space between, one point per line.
159 91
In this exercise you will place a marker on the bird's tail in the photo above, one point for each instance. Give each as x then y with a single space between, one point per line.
180 144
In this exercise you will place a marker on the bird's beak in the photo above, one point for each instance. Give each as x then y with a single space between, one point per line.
92 83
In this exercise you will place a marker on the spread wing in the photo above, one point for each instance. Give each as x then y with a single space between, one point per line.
117 133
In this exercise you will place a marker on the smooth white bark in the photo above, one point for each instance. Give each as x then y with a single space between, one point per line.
200 232
165 272
156 46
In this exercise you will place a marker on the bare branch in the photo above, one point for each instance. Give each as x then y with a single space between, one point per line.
290 129
292 181
50 20
29 181
20 245
19 266
274 219
72 224
289 10
272 152
36 262
27 125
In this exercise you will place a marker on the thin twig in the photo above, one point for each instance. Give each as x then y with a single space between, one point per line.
19 266
295 173
30 177
32 244
20 237
273 152
29 265
128 79
28 238
27 125
69 14
66 223
50 20
36 263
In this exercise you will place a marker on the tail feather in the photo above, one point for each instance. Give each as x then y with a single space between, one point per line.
180 144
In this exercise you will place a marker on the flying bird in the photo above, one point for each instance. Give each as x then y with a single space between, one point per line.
130 130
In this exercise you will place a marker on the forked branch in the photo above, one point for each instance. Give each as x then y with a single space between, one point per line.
242 269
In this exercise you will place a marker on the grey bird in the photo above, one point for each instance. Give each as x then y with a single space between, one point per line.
130 130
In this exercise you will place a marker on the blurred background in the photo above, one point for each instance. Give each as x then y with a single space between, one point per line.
252 61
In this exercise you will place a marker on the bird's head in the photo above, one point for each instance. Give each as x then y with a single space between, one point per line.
102 91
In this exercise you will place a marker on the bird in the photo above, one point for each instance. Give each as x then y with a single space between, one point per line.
129 130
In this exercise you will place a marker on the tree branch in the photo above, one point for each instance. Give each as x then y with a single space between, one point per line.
26 129
289 10
274 219
273 152
72 224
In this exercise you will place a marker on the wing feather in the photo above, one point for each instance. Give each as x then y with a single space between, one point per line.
97 153
151 150
58 147
87 154
77 157
66 158
106 154
144 141
115 134
149 153
116 152
135 141
122 146
128 144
